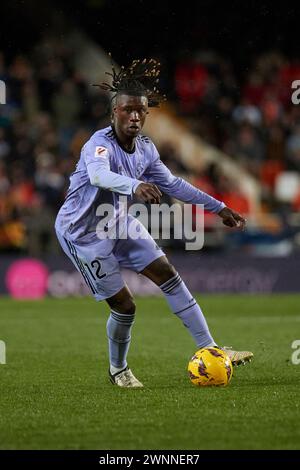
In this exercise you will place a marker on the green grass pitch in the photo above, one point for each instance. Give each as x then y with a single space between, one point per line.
55 392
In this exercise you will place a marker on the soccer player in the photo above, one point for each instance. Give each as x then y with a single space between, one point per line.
118 161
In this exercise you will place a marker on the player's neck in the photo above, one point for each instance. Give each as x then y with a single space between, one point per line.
125 142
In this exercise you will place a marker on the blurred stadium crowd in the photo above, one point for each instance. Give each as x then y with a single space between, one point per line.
51 111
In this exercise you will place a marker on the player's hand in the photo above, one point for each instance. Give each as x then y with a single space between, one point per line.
232 218
148 192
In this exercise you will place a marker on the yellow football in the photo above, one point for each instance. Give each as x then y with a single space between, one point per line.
210 366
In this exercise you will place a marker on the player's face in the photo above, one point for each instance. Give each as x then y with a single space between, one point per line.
130 114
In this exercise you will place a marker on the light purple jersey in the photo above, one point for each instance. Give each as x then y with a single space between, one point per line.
105 171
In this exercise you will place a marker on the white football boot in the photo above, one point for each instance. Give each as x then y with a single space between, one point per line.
238 357
125 378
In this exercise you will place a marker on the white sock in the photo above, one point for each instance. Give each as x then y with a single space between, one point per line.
212 345
114 370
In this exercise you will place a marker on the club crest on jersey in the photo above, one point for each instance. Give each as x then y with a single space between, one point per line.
101 152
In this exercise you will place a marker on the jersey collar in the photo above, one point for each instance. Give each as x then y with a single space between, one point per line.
120 144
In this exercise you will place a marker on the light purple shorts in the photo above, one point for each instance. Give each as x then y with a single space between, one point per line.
100 261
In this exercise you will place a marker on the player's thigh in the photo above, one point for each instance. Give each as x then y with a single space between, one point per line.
97 265
137 249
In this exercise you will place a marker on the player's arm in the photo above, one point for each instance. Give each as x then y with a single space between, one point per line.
99 172
98 168
180 189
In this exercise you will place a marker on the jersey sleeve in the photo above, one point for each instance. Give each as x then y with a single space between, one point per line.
178 188
97 160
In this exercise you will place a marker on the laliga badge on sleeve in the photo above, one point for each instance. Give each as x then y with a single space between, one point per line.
101 152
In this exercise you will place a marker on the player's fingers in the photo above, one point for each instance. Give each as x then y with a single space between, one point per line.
157 189
155 194
148 193
239 217
241 222
151 196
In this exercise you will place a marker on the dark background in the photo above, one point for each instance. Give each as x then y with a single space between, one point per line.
134 28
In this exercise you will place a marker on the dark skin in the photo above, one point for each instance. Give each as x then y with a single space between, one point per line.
129 115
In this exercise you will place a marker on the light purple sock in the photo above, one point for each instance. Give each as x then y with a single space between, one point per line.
186 308
119 335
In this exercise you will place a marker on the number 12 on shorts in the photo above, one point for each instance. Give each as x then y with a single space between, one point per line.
96 269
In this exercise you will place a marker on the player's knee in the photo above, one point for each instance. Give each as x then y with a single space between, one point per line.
126 306
167 271
122 302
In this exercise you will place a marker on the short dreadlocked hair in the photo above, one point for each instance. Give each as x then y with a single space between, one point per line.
140 78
